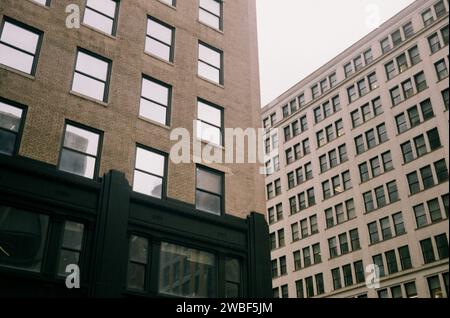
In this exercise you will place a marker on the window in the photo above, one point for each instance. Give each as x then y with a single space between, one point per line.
279 209
332 246
309 287
427 109
359 272
385 45
351 91
343 243
399 226
301 100
316 253
19 46
421 217
413 182
407 152
12 117
441 170
358 61
333 80
414 118
274 268
408 30
435 210
391 71
396 97
396 291
294 231
368 57
285 111
434 139
411 290
283 268
385 228
434 285
376 167
210 63
26 247
342 153
319 284
159 40
362 88
71 246
80 151
427 177
392 191
137 262
276 163
368 201
315 91
442 245
293 205
317 115
348 69
434 42
354 239
155 100
273 119
336 274
326 190
396 38
382 133
281 239
340 215
401 123
304 228
209 192
402 63
414 55
172 3
211 13
421 147
277 187
445 201
306 147
427 251
445 98
102 15
405 257
306 257
299 289
383 293
206 270
356 118
373 233
150 173
371 140
324 85
378 261
350 207
91 76
421 82
427 17
387 161
441 69
209 123
408 89
232 278
284 291
440 9
348 276
444 33
287 133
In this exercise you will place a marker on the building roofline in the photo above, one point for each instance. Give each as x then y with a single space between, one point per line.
354 47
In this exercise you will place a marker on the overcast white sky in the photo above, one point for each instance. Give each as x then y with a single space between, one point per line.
296 37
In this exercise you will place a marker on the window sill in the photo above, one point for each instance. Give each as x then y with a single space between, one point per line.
382 207
331 168
210 27
386 240
168 5
210 82
373 178
93 100
87 26
336 225
13 70
403 132
417 158
423 190
431 224
159 58
155 123
336 195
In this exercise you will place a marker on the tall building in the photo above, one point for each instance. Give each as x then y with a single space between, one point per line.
90 94
357 169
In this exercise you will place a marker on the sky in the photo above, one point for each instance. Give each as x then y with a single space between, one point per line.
296 37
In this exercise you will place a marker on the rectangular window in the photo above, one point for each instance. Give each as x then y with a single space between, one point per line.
442 245
405 257
427 17
319 284
358 61
137 263
332 246
201 282
343 243
354 239
387 161
420 215
435 210
209 123
210 63
283 268
306 257
385 228
19 46
210 12
293 205
400 121
378 261
71 246
427 109
382 133
333 80
434 42
444 33
392 191
80 151
427 251
316 253
396 97
359 143
342 153
441 170
281 239
348 276
92 75
336 275
371 140
420 80
427 177
340 215
348 69
295 233
421 147
155 100
351 92
279 209
350 207
414 55
391 71
399 225
160 39
209 191
299 289
440 9
150 173
414 118
375 166
356 118
373 233
402 63
102 15
385 45
297 260
359 272
309 287
407 152
434 285
368 201
232 277
315 91
408 89
441 69
12 117
411 290
362 88
408 30
396 38
368 56
324 85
